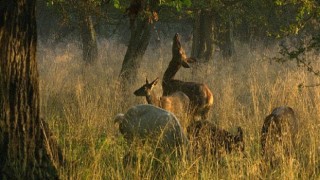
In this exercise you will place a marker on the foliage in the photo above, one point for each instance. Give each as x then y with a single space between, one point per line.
306 29
116 4
71 10
178 4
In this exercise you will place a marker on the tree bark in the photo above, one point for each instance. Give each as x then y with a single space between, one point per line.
195 51
142 15
89 39
24 154
224 35
138 44
203 35
227 46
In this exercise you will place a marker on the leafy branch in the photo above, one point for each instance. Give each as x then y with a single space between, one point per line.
299 53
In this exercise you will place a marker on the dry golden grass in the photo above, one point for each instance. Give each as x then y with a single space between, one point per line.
79 104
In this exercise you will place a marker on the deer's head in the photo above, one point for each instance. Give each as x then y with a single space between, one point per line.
146 89
178 53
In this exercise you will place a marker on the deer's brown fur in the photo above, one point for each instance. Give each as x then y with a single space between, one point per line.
207 138
201 98
279 128
177 103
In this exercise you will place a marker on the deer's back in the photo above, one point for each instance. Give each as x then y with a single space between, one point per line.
198 93
176 102
152 123
279 130
281 118
207 135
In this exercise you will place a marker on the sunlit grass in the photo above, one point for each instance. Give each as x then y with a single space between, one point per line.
79 103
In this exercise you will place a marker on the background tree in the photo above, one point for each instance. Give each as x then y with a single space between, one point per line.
142 15
203 34
213 26
24 154
222 22
80 16
87 31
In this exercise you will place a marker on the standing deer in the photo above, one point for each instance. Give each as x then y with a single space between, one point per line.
279 129
177 103
201 98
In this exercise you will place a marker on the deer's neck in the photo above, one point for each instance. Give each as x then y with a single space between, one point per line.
171 71
153 99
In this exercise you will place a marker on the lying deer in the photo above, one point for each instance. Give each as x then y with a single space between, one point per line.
148 123
177 103
207 138
201 98
279 130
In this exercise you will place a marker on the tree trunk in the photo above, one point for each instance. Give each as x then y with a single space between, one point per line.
203 35
196 35
89 39
224 35
142 15
139 40
207 35
24 154
227 46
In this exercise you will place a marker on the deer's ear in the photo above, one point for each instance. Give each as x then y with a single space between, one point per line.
155 82
147 82
185 64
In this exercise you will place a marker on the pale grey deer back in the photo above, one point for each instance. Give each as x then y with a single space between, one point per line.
155 124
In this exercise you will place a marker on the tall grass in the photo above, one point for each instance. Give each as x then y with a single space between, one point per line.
79 103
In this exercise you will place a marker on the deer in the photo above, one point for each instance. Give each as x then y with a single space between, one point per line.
201 98
177 103
207 138
280 129
148 123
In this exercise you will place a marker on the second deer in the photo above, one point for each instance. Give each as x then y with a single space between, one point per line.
201 98
208 139
177 103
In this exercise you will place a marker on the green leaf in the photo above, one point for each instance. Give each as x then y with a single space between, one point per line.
187 3
116 4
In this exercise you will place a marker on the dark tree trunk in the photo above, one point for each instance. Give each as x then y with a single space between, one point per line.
89 39
203 35
196 35
24 152
138 44
227 46
142 15
224 35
